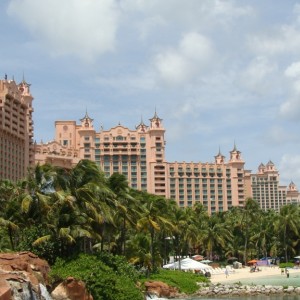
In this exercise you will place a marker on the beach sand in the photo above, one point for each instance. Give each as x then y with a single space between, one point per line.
267 275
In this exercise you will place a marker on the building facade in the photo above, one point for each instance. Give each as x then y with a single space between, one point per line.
140 155
266 188
16 129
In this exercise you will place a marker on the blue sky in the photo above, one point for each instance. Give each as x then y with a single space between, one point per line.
217 72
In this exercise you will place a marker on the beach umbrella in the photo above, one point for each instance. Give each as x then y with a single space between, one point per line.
189 264
297 257
206 261
253 261
197 257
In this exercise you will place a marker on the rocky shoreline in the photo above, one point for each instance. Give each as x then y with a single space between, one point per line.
159 289
236 290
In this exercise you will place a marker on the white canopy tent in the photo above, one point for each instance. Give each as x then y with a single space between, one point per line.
188 264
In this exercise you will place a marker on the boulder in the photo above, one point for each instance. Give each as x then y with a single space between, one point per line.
24 275
160 289
21 274
5 290
71 289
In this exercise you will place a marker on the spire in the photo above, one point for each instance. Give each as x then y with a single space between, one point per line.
142 127
219 158
235 154
155 114
234 147
86 121
86 117
292 186
155 117
24 81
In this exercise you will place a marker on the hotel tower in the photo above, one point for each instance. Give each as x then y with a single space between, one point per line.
139 154
16 129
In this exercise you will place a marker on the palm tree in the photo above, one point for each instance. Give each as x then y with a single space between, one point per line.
94 199
152 220
250 212
215 234
287 224
264 232
138 250
77 213
180 218
200 219
126 213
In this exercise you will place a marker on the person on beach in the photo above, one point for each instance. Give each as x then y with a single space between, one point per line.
287 274
226 272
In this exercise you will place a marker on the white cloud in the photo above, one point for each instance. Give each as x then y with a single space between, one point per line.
85 29
282 40
208 13
256 76
290 108
196 47
172 67
277 135
293 70
150 25
144 80
290 168
181 64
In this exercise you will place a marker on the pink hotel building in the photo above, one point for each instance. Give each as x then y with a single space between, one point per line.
140 155
16 129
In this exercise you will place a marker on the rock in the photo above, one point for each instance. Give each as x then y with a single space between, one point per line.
5 290
21 275
160 289
249 290
26 261
71 289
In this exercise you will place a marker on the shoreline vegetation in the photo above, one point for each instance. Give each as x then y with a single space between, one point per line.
242 282
125 236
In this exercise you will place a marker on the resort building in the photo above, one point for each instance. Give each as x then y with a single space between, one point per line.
139 154
267 191
16 129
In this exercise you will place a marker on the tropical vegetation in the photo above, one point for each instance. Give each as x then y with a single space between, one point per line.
58 214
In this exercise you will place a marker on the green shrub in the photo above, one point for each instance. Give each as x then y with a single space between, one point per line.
103 281
186 282
286 265
48 250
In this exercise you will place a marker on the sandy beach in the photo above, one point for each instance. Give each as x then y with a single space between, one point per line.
267 275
